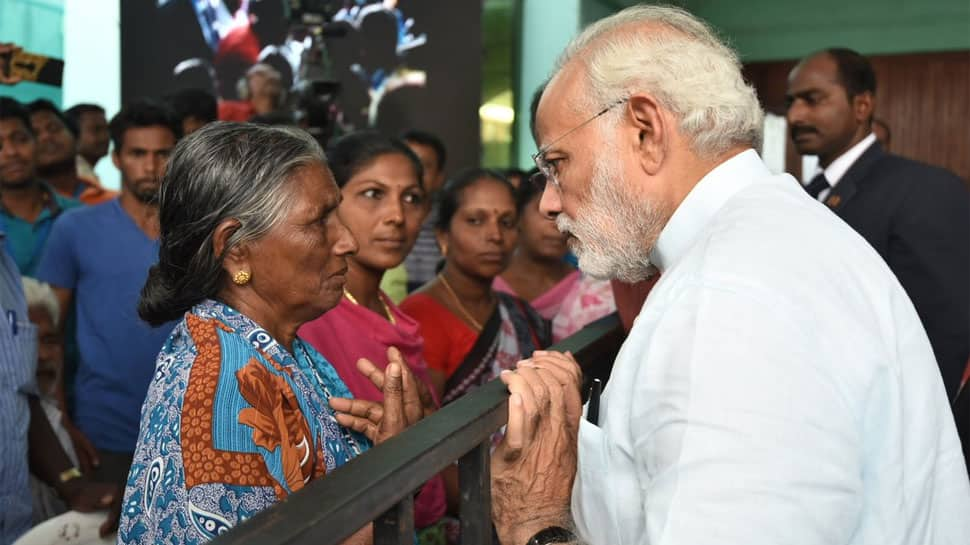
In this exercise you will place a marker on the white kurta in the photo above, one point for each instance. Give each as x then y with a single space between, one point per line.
777 388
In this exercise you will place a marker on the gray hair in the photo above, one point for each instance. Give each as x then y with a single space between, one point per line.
223 171
676 57
39 294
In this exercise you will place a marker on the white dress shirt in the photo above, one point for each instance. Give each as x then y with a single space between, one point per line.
837 169
777 388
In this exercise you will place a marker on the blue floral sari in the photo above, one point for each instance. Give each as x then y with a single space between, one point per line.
232 424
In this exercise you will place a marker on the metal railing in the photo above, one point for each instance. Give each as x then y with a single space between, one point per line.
379 485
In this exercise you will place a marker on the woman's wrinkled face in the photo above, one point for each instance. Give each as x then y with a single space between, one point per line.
483 231
538 234
299 267
383 206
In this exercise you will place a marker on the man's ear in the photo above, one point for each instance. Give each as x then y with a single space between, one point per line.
116 159
863 106
237 257
649 127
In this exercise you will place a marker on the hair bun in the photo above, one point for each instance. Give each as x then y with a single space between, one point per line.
160 302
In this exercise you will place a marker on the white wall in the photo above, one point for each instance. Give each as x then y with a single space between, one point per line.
92 63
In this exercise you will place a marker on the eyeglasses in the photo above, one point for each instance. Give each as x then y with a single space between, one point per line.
547 172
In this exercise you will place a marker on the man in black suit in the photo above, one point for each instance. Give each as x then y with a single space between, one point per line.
916 216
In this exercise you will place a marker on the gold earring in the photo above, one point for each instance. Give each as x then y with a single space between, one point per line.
241 278
444 250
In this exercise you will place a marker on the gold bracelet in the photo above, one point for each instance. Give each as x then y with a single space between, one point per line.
69 475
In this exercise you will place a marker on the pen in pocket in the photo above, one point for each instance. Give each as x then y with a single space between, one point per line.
12 320
593 411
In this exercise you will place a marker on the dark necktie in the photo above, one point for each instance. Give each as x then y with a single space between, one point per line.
817 184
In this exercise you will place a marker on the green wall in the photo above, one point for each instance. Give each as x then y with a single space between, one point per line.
593 10
546 28
763 30
499 35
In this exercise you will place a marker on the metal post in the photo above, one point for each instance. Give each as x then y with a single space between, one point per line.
475 484
396 525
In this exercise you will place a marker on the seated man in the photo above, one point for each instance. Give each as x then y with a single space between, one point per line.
44 314
29 440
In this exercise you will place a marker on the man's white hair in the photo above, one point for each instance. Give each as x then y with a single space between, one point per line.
678 59
39 294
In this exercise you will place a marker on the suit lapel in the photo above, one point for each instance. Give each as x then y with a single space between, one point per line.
849 184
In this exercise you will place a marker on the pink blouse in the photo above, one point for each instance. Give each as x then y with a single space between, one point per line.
349 332
571 304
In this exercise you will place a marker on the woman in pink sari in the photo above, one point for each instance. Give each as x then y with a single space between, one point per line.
539 274
383 206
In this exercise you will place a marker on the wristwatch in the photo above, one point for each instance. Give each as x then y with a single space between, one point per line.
552 534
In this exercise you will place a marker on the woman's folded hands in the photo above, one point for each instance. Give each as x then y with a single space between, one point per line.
406 400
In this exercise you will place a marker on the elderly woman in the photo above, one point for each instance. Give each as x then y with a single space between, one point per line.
240 413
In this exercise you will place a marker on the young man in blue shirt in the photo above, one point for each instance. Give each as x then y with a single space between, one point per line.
28 206
99 257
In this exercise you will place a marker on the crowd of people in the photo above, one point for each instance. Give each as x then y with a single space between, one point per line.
435 248
257 305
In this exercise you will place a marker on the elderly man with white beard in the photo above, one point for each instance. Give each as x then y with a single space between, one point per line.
777 386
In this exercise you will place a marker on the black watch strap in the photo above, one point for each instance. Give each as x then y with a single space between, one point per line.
552 534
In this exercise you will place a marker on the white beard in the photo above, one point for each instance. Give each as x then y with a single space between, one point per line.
615 231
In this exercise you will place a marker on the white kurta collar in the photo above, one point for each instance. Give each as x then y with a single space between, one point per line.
700 205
